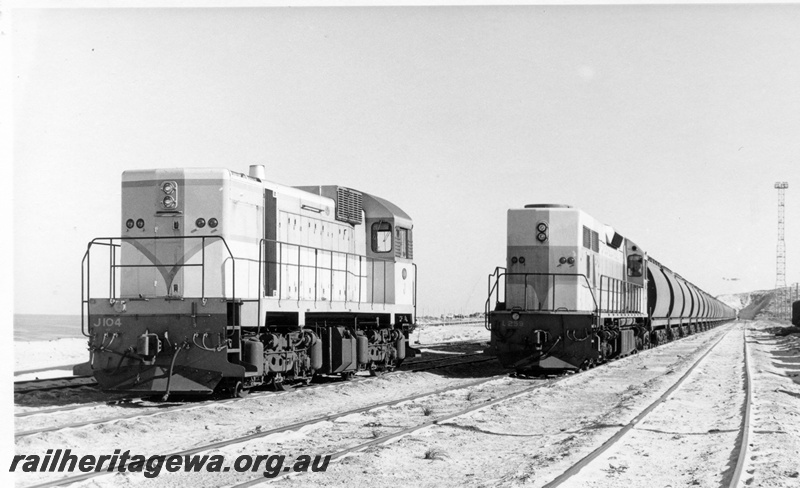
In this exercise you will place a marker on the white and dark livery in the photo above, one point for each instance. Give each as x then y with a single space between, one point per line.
575 293
227 280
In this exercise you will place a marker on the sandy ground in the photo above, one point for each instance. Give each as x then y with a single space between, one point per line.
431 334
523 442
775 426
686 439
48 354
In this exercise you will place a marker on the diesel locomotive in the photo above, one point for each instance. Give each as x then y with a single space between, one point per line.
226 281
575 293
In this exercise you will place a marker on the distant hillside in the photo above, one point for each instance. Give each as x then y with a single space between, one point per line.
748 304
754 304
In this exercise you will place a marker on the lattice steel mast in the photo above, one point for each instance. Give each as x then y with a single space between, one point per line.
780 273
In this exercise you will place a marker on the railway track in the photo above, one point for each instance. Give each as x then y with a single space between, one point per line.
159 407
731 480
53 384
64 382
415 365
356 442
328 418
744 435
131 400
63 367
383 439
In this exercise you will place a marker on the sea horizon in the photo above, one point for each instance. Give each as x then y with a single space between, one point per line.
46 327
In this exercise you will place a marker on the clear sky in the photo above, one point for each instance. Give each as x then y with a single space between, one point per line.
670 123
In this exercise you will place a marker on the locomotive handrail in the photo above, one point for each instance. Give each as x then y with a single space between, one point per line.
85 262
363 262
621 290
86 266
415 292
491 289
497 274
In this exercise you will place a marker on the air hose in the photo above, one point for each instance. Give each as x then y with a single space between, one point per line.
171 367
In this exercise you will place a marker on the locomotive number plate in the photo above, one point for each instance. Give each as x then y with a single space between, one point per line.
108 322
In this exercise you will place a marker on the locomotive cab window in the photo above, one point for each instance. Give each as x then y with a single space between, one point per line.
381 237
635 265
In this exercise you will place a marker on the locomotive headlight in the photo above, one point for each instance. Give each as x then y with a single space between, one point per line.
139 223
541 237
201 222
522 260
515 316
129 224
168 187
514 260
562 260
571 260
542 227
212 222
169 202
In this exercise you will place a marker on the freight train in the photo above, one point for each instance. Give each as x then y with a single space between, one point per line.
575 293
223 281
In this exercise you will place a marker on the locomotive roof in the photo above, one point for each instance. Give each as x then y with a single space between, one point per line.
390 208
376 207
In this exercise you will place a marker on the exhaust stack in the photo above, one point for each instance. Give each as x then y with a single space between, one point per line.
258 171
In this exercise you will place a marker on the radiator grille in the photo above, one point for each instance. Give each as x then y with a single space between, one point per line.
348 205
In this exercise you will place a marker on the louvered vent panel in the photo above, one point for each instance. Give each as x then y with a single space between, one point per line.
595 242
410 245
398 244
348 205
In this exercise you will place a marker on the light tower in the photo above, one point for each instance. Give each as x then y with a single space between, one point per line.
780 273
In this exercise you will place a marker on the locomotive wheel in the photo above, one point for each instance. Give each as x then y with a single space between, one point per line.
238 390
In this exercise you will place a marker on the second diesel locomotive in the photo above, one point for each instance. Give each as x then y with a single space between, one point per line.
575 293
225 281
